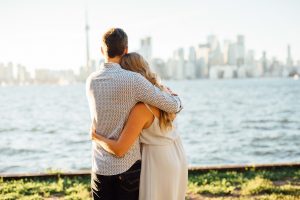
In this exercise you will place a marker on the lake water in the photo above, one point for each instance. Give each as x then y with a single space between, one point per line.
223 122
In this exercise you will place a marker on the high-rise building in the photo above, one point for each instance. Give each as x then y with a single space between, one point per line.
159 66
250 58
264 63
190 65
9 73
215 56
23 75
240 50
178 56
202 54
192 54
146 48
232 54
226 51
170 67
2 70
190 70
289 60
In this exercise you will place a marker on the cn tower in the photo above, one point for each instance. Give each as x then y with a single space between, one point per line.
87 28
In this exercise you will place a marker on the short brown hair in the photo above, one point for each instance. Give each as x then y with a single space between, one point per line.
115 41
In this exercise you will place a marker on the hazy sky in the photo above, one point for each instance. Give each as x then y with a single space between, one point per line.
50 33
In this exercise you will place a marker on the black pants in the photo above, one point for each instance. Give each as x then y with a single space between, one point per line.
123 186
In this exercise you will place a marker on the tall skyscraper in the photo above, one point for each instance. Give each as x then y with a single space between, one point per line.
289 60
178 56
215 55
192 54
190 65
250 59
146 48
232 54
202 54
226 51
240 45
264 62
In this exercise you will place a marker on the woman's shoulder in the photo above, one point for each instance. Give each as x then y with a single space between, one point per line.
146 108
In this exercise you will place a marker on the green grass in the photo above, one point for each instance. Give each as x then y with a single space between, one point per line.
250 184
35 189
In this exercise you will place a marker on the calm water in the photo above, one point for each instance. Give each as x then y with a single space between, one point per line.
223 122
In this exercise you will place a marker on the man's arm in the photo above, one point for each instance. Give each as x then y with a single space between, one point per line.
145 92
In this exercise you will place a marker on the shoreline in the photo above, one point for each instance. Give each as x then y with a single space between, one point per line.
253 182
192 170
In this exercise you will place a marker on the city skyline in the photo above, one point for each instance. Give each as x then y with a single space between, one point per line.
146 49
42 35
208 60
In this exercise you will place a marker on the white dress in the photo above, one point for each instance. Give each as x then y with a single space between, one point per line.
164 173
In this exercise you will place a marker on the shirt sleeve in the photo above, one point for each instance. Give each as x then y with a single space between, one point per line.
145 92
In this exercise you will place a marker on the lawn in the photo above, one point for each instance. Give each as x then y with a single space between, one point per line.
273 184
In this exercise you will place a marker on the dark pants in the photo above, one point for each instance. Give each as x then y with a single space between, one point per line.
123 186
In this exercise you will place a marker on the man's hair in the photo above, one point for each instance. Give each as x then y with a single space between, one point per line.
115 41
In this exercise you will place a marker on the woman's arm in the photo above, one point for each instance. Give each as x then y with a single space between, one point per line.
138 118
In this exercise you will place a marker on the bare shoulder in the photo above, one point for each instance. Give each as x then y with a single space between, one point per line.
141 108
155 110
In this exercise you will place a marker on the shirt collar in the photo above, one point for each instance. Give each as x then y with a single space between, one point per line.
110 65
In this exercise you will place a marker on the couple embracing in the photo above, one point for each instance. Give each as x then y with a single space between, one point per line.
136 150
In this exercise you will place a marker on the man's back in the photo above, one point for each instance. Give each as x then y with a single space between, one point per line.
110 94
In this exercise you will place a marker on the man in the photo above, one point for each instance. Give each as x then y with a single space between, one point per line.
112 92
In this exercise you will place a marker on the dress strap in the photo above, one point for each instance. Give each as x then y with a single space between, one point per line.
149 109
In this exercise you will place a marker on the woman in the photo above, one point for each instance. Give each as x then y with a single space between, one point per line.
164 166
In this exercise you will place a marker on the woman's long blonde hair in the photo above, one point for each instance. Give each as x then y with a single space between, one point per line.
136 63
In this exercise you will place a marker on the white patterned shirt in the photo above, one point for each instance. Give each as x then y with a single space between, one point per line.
112 92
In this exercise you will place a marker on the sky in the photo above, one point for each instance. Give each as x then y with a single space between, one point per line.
51 34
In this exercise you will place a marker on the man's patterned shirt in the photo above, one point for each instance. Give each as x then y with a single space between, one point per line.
112 92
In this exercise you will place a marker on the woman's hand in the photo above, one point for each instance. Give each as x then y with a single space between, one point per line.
168 90
93 133
96 136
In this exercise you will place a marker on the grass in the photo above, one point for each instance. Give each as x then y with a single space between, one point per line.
250 184
36 189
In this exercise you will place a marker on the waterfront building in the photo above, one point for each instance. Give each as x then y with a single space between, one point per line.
264 63
190 70
179 71
23 76
250 58
170 66
226 45
215 56
190 66
160 67
202 68
146 48
289 60
232 54
240 50
2 70
7 73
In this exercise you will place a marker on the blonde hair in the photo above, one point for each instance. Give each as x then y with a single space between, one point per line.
136 63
